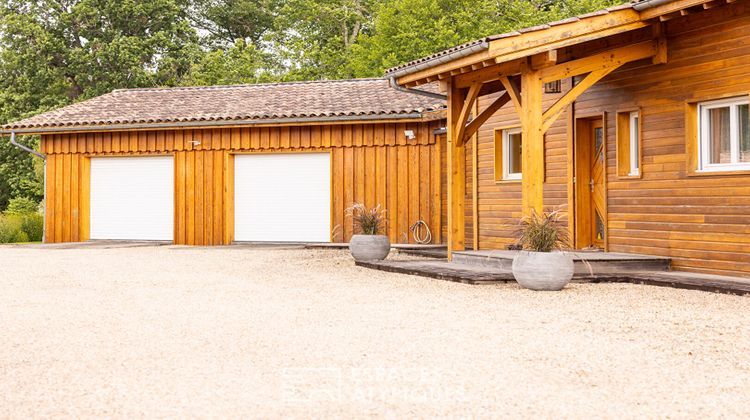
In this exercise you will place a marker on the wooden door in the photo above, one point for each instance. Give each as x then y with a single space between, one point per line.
591 196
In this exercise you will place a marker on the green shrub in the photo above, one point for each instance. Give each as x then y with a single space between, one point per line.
33 226
10 227
26 228
21 237
21 205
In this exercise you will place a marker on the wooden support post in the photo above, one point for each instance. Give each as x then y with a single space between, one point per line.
456 171
532 184
483 116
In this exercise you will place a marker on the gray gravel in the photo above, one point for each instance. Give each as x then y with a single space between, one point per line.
198 332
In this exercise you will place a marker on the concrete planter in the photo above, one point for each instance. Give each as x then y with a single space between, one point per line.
543 270
369 247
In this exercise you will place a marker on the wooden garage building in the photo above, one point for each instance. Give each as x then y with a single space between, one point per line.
216 165
634 119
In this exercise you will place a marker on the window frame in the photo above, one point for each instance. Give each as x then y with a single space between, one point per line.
703 135
629 126
502 158
634 141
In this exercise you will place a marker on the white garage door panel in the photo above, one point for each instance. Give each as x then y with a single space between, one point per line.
283 197
132 198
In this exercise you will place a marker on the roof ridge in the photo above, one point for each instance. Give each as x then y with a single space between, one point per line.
245 85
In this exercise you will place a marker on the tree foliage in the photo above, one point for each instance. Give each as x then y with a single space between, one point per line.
56 52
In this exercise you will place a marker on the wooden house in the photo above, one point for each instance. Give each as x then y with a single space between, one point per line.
632 119
223 164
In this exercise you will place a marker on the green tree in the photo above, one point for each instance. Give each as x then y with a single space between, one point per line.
315 37
404 30
224 22
55 52
239 63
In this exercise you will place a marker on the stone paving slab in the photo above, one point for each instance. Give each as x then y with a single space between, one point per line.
441 270
444 270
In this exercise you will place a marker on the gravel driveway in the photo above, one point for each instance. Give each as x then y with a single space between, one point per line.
170 331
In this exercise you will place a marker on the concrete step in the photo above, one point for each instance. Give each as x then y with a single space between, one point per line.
586 263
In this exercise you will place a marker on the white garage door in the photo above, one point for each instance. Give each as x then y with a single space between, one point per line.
132 198
282 197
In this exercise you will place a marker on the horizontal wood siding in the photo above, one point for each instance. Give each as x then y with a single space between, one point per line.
370 163
499 203
701 222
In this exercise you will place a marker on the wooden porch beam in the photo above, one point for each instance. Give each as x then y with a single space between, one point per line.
553 113
513 91
456 156
615 57
483 116
489 73
463 116
532 180
660 37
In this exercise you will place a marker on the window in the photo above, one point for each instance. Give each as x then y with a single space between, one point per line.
553 87
724 135
629 144
508 161
635 164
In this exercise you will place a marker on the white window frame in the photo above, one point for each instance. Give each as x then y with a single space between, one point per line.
507 175
635 140
734 136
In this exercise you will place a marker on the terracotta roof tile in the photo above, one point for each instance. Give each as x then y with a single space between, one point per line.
371 98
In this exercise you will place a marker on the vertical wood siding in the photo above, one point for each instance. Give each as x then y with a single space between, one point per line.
370 163
701 222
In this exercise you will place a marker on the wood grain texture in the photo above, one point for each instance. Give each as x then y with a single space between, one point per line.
371 163
699 221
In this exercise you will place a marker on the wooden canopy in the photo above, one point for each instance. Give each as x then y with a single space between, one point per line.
586 48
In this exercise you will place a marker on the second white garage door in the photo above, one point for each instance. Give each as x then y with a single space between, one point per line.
282 197
132 198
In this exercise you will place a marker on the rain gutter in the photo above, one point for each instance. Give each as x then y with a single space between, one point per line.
432 62
399 88
210 123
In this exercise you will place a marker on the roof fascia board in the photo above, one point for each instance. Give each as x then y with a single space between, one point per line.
567 42
655 9
530 43
422 75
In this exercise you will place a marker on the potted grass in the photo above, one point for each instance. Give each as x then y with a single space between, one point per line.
368 244
541 264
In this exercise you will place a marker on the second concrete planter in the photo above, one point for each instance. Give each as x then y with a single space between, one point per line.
543 270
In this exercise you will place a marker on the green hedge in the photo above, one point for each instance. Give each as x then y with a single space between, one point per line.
21 228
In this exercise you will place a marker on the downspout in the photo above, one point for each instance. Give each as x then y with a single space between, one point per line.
44 158
392 82
649 4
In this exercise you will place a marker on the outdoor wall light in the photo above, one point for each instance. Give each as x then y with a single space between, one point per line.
410 134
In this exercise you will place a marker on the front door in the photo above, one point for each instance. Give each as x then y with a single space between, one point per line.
591 197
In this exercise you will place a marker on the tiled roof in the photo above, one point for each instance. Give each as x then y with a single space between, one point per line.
340 99
483 44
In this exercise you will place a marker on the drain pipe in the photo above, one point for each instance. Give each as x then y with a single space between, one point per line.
44 158
392 82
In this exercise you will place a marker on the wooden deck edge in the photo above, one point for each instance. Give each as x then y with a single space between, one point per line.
648 279
448 275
